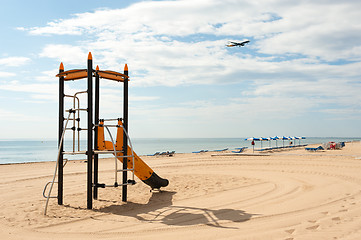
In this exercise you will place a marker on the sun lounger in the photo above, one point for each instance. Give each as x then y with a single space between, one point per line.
319 148
239 150
201 151
221 150
155 154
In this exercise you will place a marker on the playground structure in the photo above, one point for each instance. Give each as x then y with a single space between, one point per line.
96 144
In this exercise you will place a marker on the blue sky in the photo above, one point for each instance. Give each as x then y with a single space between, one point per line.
300 74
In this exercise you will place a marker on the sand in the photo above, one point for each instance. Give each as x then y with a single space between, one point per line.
286 195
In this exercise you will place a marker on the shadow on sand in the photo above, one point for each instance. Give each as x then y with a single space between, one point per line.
160 209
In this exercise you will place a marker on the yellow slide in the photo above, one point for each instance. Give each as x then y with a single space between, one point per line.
141 169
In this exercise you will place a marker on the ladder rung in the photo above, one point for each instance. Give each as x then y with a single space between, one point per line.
127 156
125 170
111 119
121 184
106 152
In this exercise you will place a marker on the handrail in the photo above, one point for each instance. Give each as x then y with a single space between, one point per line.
115 156
115 151
56 166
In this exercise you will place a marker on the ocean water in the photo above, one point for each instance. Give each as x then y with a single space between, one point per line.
21 151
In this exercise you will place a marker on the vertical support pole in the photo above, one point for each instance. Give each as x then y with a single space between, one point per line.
125 141
61 129
90 134
96 121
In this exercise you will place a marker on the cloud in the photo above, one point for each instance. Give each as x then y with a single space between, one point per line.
11 115
14 61
66 53
169 44
304 57
7 74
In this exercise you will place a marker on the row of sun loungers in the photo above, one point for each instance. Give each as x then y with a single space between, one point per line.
279 148
167 153
239 150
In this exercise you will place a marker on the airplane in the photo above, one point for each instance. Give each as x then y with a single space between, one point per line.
237 44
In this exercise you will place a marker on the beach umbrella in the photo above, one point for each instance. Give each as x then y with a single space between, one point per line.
293 138
263 139
252 139
269 139
302 138
276 138
299 140
283 140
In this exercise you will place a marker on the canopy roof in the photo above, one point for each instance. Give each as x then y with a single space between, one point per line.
83 73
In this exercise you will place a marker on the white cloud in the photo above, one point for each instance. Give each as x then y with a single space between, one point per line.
14 61
148 40
66 53
303 57
6 74
11 115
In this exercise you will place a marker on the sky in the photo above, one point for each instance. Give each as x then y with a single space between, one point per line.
299 75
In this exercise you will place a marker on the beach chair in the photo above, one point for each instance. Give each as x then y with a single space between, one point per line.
201 151
221 150
319 148
239 150
154 154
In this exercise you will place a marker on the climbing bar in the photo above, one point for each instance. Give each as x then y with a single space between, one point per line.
75 153
46 186
116 185
127 156
78 109
107 125
123 170
107 152
111 119
96 152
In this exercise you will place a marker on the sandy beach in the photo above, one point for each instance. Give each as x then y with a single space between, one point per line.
291 194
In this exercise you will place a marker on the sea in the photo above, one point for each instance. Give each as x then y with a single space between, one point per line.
23 151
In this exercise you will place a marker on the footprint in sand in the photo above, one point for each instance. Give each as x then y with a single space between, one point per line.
290 231
313 227
336 219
